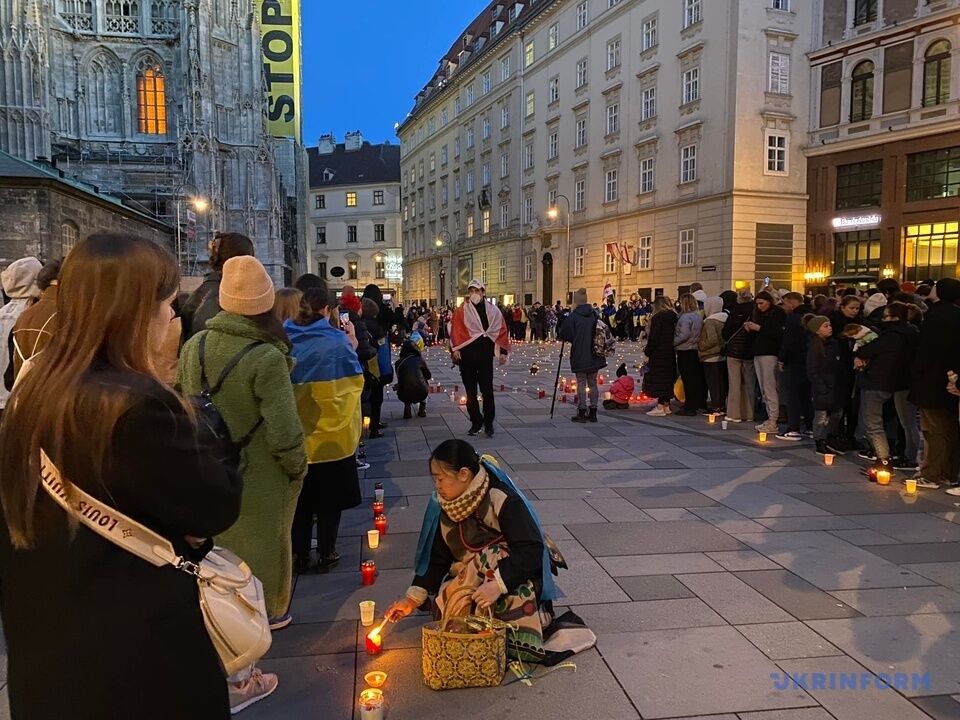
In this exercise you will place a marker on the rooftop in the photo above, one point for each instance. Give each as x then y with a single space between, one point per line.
364 165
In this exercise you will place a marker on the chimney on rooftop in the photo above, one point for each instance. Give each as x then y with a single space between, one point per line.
327 144
353 141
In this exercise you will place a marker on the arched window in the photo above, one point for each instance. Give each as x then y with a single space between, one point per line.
936 74
102 95
68 237
861 92
151 100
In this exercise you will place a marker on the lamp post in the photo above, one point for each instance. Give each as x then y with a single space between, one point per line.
553 213
439 243
199 204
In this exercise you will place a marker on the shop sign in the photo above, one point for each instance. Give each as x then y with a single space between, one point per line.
865 221
394 267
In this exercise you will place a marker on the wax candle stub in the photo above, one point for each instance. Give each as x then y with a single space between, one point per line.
883 477
910 486
763 437
374 643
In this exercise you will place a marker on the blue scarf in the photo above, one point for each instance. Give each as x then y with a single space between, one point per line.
431 523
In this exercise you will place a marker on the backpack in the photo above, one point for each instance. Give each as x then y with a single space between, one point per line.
603 343
209 420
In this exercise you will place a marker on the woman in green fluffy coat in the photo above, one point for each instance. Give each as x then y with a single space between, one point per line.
256 399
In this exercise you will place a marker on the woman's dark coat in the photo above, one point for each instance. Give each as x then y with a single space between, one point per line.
412 376
659 380
578 330
739 341
828 386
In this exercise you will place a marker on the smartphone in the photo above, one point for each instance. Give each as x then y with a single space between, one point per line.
344 319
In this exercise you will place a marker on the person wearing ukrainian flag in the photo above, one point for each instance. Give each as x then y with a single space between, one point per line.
327 384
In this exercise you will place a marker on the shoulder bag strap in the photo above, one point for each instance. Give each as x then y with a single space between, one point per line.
230 366
208 392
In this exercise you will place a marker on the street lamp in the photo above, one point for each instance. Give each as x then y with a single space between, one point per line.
199 203
553 213
439 243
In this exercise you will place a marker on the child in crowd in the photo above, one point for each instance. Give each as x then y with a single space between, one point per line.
621 391
412 378
860 334
827 384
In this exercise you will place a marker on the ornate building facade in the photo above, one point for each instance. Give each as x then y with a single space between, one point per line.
156 102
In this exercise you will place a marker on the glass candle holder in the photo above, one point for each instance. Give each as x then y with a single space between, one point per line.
762 436
883 477
378 508
380 523
368 572
828 459
910 486
374 643
373 539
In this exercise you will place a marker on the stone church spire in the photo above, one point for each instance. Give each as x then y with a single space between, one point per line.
24 111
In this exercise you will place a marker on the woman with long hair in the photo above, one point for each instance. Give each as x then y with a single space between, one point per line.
661 357
286 305
245 351
686 341
90 628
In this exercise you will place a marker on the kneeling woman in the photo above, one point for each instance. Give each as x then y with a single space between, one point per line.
480 532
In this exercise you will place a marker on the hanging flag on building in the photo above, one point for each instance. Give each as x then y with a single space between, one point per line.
607 291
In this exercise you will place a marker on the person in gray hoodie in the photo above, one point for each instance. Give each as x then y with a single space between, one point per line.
686 341
712 353
19 282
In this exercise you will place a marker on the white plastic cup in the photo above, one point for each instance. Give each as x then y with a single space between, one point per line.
724 424
367 612
371 704
828 459
378 494
373 539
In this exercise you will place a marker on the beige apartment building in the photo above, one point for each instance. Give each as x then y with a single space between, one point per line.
672 127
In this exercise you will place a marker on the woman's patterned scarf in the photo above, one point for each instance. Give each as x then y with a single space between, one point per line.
464 506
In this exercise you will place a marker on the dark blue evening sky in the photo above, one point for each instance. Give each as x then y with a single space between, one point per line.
365 60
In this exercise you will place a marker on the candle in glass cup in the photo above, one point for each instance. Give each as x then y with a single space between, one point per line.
541 394
374 643
378 492
883 477
368 572
828 459
711 418
762 437
366 423
910 486
380 523
378 508
371 703
373 539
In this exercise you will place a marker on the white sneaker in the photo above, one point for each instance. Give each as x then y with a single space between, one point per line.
733 420
791 436
657 412
955 491
258 686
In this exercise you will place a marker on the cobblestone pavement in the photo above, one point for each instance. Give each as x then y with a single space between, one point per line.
710 567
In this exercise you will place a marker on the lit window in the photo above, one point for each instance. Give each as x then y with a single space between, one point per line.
688 246
688 163
529 54
151 101
470 225
351 199
352 270
612 185
485 220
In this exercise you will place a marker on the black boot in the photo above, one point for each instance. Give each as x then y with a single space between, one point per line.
423 410
822 448
406 412
580 417
593 415
475 428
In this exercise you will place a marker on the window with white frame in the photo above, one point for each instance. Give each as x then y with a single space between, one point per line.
485 83
433 162
469 138
444 159
531 103
552 196
777 145
443 117
688 163
529 54
611 3
647 175
485 128
502 271
578 256
379 232
609 262
611 185
456 106
778 73
649 36
483 271
553 145
485 174
504 165
528 210
470 225
613 119
645 253
504 217
469 94
504 117
613 54
456 146
505 69
581 133
581 73
553 36
528 156
583 15
528 267
688 247
456 187
469 181
554 90
648 103
692 12
580 195
444 194
781 5
691 85
485 220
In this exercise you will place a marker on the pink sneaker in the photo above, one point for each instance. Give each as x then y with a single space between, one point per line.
254 689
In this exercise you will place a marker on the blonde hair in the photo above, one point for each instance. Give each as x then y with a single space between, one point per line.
688 303
286 304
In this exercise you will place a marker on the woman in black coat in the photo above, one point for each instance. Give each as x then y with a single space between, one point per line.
93 631
742 376
412 376
661 358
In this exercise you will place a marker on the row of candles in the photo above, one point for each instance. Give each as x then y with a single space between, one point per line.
372 698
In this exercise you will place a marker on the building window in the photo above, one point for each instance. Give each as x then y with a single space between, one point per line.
378 197
692 12
322 235
930 251
504 165
470 181
469 95
502 271
485 83
444 194
529 54
580 195
322 269
433 162
578 255
443 117
581 73
933 175
320 202
457 106
485 128
864 11
79 14
611 3
688 247
777 154
645 253
122 16
456 187
351 233
380 270
504 216
456 147
553 145
609 262
379 233
470 135
581 133
857 253
151 101
552 196
649 36
612 185
781 5
861 92
554 90
351 199
613 54
531 104
859 185
470 227
583 15
646 175
68 237
778 74
613 119
505 68
936 74
648 104
483 271
486 174
485 220
504 117
691 85
528 156
443 159
528 267
553 36
688 163
528 210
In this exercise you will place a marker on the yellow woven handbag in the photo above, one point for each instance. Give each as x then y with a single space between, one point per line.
454 660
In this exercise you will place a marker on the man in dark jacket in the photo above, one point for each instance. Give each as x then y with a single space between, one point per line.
373 381
578 330
742 391
886 362
938 354
793 367
204 303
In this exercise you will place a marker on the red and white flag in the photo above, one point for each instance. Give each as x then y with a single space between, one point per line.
607 291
